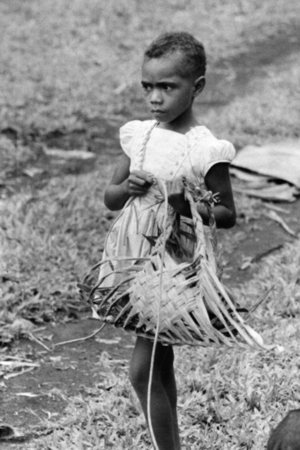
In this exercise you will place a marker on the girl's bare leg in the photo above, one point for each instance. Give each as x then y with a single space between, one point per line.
163 392
169 382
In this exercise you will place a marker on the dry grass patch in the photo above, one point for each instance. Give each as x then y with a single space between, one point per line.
49 238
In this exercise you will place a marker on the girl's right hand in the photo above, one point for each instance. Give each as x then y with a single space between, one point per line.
138 182
125 184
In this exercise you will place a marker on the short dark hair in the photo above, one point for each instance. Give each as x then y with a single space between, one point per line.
192 50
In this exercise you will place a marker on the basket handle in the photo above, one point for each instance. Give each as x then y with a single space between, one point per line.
142 150
191 191
195 194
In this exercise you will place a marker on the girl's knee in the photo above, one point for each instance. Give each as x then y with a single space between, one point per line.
139 375
140 364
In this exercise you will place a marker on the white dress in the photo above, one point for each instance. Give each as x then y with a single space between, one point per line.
169 156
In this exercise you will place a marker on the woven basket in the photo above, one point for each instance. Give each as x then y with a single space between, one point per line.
186 304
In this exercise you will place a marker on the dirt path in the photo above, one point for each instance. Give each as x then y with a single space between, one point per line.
63 372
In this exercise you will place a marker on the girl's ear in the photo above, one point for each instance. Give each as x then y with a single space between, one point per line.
199 84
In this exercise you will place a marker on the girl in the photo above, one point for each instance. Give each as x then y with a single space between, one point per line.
287 433
175 146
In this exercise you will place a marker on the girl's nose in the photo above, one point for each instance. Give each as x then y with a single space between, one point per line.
156 96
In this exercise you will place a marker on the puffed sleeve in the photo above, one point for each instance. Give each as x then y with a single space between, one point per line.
207 151
221 151
127 134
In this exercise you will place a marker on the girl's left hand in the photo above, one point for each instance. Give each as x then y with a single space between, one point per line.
178 202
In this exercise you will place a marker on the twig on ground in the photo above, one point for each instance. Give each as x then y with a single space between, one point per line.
90 336
13 375
256 258
38 341
18 363
262 255
274 216
260 301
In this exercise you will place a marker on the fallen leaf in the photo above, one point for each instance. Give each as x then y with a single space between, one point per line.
32 172
27 394
108 341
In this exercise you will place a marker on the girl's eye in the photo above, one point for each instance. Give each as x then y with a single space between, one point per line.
147 88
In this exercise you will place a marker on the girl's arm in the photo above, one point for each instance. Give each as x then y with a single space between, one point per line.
216 180
125 184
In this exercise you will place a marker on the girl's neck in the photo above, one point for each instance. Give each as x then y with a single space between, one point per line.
180 125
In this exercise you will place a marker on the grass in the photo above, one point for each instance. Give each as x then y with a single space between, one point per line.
66 67
267 112
49 239
228 399
63 65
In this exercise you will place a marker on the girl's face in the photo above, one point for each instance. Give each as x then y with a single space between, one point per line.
169 95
